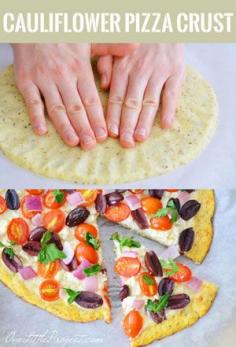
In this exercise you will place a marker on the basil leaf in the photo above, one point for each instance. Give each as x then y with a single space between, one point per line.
125 241
170 265
148 280
72 295
171 204
92 241
46 237
10 252
92 270
59 195
115 237
50 253
157 306
1 244
162 212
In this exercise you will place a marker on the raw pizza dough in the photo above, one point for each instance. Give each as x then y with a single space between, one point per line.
164 151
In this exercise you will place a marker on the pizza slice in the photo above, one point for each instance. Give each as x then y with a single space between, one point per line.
159 295
178 218
50 253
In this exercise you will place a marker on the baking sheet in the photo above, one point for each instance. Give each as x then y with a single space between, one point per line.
23 323
215 167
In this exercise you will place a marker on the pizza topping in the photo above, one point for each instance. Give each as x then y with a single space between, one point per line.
89 196
124 292
54 221
133 323
101 204
88 299
49 290
48 270
170 266
70 267
79 271
33 203
118 212
77 216
189 209
12 199
125 241
153 264
18 231
157 317
113 198
171 252
151 205
56 239
161 223
37 233
138 304
170 210
166 286
147 284
32 247
82 229
175 203
183 274
140 218
178 301
54 199
92 241
156 193
133 202
27 273
35 191
75 199
86 251
49 251
11 260
91 283
37 220
157 305
3 205
195 284
127 266
92 270
69 252
183 197
186 239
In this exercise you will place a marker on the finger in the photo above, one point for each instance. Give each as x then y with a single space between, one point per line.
131 110
35 107
77 114
117 49
169 100
57 113
150 107
104 67
92 104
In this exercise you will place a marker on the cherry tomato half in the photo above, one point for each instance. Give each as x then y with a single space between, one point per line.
151 205
35 191
49 200
147 284
3 205
89 196
49 290
18 231
54 221
127 266
82 229
86 251
133 323
118 212
172 190
48 270
183 275
161 223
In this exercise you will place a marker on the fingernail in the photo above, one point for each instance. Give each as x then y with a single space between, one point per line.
100 133
127 137
114 129
141 132
87 140
104 80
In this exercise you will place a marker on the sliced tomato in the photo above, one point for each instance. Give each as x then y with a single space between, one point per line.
89 196
3 205
127 266
172 190
183 275
82 229
151 205
48 270
133 323
49 200
118 212
18 231
27 213
35 191
136 191
49 290
54 221
161 223
148 284
84 251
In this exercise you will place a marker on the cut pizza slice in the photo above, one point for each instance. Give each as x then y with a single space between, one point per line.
160 296
172 217
50 253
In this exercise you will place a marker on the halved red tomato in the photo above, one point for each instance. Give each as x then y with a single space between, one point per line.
161 223
172 190
49 290
27 213
35 191
127 266
183 275
18 231
48 270
89 196
133 323
118 212
3 205
151 205
84 251
147 284
54 221
82 229
50 201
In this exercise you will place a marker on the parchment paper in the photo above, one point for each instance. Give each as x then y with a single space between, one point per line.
22 323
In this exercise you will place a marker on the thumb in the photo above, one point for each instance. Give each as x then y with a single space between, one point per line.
117 49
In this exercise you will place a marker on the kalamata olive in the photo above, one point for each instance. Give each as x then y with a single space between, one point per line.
121 190
70 267
12 199
158 317
37 233
101 203
32 248
113 198
153 264
140 218
13 264
178 301
69 191
89 299
166 286
186 239
189 190
77 216
156 193
124 292
56 239
189 209
176 203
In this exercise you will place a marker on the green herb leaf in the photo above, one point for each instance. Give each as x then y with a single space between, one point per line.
59 195
10 252
170 209
126 241
92 270
50 253
162 212
148 280
157 306
92 241
171 204
170 265
115 237
72 295
1 244
46 237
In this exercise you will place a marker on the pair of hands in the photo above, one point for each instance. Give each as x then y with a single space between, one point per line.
60 78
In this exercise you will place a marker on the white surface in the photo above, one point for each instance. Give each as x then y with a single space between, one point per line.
216 166
33 327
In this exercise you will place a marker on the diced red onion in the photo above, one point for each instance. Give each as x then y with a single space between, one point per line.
79 272
91 283
27 273
132 201
75 199
33 203
171 252
122 280
195 284
37 220
130 254
69 252
138 304
183 197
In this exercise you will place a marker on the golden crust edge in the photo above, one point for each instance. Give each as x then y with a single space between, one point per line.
200 304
